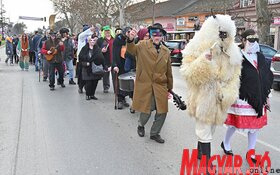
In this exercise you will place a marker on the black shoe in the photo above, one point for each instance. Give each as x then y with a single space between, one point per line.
72 82
120 105
88 97
132 111
80 90
58 83
141 131
44 79
229 152
93 97
52 88
106 91
157 138
63 85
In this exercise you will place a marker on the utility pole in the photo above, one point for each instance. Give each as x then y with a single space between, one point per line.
154 3
2 20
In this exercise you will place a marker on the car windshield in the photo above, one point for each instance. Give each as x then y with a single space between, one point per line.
267 51
173 45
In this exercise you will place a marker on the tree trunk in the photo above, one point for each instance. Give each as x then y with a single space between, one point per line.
153 20
121 16
263 21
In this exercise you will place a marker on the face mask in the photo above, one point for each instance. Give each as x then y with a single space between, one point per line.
252 47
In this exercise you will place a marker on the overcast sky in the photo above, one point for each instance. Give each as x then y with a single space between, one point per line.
33 8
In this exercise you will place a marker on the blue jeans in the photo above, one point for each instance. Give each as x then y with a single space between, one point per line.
36 61
70 68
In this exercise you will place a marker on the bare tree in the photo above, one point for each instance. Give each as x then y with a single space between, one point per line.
19 28
264 17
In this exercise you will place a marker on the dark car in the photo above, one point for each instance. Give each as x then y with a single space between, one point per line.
268 52
176 47
275 68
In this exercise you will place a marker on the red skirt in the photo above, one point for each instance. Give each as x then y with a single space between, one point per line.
246 122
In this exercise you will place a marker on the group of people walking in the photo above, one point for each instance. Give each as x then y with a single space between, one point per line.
226 84
113 53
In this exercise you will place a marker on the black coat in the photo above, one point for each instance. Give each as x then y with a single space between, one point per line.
97 58
255 83
118 61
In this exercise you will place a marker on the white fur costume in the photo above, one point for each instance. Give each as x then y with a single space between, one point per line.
212 86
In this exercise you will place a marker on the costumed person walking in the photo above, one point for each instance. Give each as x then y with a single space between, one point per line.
153 80
211 68
106 45
249 112
119 50
53 48
89 56
82 41
23 47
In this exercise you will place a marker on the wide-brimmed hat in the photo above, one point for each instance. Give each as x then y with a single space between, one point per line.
157 26
52 33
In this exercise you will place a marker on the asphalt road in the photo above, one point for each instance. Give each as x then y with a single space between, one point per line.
60 133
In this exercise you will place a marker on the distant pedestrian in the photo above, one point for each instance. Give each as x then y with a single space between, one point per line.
9 50
46 64
23 47
36 41
15 54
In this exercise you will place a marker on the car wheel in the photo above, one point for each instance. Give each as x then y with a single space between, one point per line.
276 86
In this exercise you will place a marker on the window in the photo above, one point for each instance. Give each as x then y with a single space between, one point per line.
193 18
246 3
180 21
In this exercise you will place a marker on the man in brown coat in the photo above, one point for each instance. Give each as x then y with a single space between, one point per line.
153 80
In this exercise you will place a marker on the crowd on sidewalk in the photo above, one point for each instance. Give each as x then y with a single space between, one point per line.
226 83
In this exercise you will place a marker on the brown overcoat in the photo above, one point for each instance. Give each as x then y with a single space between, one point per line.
153 76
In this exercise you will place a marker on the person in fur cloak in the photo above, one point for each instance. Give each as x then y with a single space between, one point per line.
211 68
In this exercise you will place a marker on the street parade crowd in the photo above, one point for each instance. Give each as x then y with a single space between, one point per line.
227 82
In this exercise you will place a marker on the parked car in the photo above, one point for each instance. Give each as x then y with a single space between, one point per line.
275 68
268 52
176 47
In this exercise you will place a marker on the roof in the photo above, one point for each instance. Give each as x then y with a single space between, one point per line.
205 6
144 10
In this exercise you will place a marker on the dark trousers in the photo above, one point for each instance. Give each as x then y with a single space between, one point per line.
106 81
32 57
16 58
60 70
91 87
81 82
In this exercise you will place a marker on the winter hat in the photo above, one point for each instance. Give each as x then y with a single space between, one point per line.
126 29
142 32
106 28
